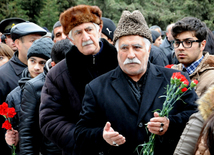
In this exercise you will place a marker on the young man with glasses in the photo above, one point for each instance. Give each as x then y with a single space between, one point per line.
190 36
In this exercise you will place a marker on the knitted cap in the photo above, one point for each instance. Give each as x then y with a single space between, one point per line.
108 27
41 48
132 24
78 15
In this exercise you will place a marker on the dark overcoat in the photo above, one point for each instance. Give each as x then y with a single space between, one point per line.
109 98
62 93
31 140
10 73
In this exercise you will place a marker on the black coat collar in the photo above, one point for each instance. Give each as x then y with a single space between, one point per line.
83 70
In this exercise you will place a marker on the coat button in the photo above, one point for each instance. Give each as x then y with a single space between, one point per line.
140 125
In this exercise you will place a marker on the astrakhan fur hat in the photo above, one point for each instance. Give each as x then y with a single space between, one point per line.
132 24
80 14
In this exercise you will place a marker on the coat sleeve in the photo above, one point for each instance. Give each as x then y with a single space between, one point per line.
89 130
14 100
29 134
190 135
55 114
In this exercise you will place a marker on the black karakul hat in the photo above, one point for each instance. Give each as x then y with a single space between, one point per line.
26 28
7 24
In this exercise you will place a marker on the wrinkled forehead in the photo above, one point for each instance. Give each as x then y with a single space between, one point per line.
83 26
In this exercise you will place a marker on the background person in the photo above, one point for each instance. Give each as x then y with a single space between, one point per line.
191 38
5 53
37 56
5 27
57 33
156 38
108 29
24 34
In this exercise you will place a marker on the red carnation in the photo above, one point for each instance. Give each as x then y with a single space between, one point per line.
186 82
3 108
195 81
178 75
169 66
184 89
11 112
7 125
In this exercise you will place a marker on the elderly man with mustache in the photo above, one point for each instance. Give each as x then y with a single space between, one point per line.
62 93
118 106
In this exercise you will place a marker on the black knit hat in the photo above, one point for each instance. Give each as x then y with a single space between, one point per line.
108 27
41 48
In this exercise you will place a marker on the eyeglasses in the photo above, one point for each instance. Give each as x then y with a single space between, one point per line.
185 43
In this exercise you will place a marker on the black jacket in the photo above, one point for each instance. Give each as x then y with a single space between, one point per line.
10 73
31 139
110 98
63 91
158 57
14 99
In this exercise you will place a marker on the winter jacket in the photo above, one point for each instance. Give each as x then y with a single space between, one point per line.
10 73
158 57
31 139
189 137
63 91
14 100
202 148
204 73
166 46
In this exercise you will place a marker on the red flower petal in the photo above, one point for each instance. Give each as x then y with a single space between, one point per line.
7 125
11 112
195 81
3 108
184 89
169 66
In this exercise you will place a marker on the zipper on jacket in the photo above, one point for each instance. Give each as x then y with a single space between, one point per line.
93 59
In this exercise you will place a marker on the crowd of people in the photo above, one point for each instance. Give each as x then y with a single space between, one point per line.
91 87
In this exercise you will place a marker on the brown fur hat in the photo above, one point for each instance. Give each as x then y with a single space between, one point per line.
80 14
132 24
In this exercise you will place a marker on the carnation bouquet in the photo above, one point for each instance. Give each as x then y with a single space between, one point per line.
8 113
174 91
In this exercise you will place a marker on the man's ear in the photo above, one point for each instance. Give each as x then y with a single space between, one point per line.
150 48
69 39
53 63
17 43
203 44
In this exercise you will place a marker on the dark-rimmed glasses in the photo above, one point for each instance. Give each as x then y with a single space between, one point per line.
185 43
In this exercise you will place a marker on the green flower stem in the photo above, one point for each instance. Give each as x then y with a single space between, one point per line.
173 94
14 150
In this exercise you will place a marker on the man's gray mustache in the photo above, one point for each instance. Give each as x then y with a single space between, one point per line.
87 42
128 61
